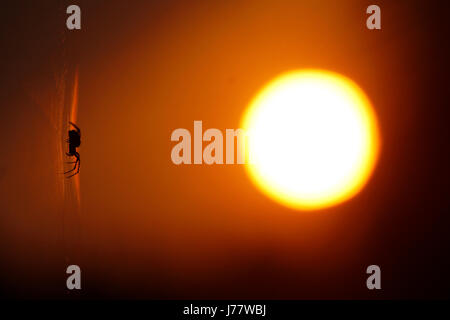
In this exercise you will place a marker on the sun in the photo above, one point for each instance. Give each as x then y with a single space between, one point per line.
312 139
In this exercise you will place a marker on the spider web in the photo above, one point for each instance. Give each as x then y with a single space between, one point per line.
59 104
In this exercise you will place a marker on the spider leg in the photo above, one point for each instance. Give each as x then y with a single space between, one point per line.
77 163
74 167
78 171
75 126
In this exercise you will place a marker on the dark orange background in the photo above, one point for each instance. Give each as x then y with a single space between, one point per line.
147 228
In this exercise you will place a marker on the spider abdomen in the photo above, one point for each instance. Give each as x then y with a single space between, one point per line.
74 138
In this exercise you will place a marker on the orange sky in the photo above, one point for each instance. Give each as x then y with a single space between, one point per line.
149 228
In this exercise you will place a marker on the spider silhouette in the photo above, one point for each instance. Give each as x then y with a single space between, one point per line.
74 142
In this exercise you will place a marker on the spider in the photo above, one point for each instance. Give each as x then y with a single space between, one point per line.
74 142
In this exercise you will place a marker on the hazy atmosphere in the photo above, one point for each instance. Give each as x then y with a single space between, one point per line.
140 226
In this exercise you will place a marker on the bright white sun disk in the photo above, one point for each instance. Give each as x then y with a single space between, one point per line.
312 139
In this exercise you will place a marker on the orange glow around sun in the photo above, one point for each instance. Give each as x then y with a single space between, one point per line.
312 139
